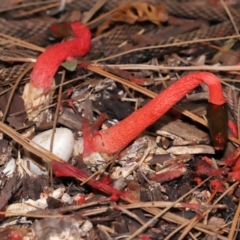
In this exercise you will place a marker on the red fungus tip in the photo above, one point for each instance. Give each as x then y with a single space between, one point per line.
218 124
61 30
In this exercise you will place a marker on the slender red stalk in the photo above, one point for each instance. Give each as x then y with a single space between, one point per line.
120 135
48 62
62 169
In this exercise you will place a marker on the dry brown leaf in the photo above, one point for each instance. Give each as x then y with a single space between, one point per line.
136 12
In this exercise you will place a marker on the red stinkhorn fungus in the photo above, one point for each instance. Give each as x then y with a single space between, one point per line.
38 92
117 137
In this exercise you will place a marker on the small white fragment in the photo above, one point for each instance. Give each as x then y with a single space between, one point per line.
197 149
38 204
85 228
10 167
129 168
78 147
17 209
66 198
57 194
34 168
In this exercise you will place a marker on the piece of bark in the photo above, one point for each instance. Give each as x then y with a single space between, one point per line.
70 119
185 131
11 186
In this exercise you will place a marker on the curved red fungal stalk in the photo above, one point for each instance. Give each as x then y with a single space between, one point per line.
48 62
117 137
38 92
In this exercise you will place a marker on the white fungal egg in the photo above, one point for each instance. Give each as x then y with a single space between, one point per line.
63 142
